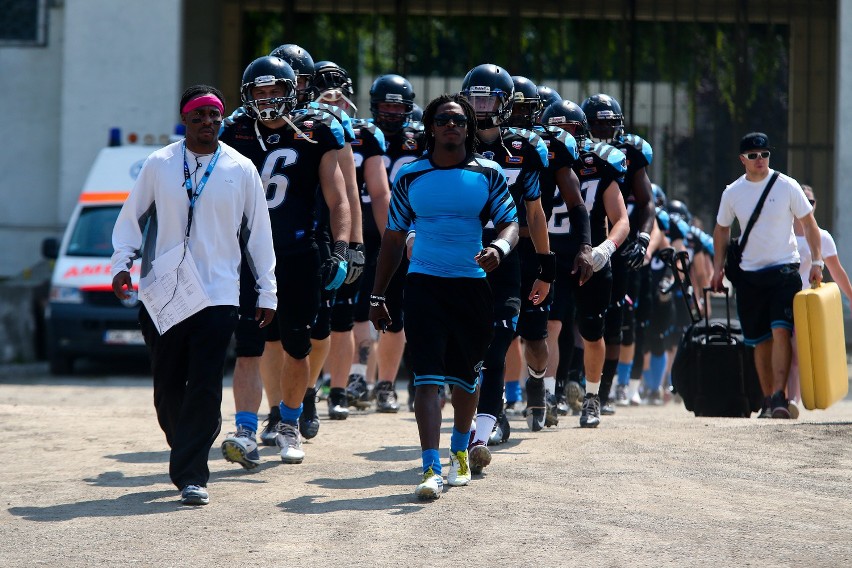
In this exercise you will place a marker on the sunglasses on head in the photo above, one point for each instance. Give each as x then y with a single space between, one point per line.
444 119
756 155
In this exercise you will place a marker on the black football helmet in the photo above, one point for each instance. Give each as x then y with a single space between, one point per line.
490 91
660 199
303 66
333 84
606 121
526 104
391 89
416 113
677 207
264 72
567 116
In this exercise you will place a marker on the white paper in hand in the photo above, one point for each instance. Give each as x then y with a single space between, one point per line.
176 291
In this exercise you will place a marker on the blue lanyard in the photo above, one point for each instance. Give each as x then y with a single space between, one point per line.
188 183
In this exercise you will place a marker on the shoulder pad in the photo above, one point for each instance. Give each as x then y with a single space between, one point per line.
611 155
663 218
641 145
565 138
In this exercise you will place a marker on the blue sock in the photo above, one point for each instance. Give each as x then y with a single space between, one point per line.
513 391
247 420
459 440
432 458
290 415
654 374
624 373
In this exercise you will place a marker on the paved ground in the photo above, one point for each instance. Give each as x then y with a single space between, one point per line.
84 483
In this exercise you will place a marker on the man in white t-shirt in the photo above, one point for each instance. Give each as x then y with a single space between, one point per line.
770 264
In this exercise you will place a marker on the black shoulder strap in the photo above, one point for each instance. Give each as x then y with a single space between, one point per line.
757 209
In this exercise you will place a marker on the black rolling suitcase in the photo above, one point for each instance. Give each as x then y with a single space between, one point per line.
713 370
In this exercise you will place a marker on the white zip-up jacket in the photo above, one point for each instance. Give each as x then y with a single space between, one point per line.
231 210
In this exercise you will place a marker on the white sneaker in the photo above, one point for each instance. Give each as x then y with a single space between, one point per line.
621 398
290 442
459 469
635 399
241 447
431 487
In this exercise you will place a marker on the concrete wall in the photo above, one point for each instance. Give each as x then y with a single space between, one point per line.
107 63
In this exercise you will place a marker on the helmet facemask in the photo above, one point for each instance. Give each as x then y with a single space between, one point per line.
493 107
268 109
607 126
388 120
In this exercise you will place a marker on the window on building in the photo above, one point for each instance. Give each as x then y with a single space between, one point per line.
23 23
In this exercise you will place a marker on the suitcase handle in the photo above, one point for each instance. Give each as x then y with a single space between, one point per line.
679 262
725 289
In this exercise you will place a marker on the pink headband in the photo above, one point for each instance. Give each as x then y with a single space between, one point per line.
203 100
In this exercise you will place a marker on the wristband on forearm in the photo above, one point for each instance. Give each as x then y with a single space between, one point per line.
502 247
376 301
410 236
547 267
581 231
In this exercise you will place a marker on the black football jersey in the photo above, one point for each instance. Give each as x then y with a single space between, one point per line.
523 156
562 152
289 170
369 142
598 166
639 155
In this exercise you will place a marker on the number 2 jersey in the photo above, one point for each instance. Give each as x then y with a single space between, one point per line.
562 152
289 169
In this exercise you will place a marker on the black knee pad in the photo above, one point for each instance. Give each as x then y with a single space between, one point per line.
628 324
612 324
297 342
591 327
343 316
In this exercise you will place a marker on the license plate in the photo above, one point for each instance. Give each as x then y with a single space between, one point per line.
124 337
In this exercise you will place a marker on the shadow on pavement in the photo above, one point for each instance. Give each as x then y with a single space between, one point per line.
141 457
131 504
392 454
400 504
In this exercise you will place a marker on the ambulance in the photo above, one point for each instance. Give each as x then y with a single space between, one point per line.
83 317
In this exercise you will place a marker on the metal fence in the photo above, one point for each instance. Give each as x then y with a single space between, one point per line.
692 77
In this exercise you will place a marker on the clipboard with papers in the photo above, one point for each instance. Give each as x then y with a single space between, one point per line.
173 290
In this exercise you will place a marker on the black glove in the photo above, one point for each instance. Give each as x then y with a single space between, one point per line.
634 251
333 270
355 259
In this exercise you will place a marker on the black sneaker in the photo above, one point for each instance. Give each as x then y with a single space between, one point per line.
501 431
766 409
386 398
309 422
269 432
536 404
590 416
607 408
357 393
780 405
338 408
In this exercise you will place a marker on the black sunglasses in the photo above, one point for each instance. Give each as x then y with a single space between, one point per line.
756 155
812 201
444 119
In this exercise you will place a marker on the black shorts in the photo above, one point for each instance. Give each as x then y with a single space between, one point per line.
449 326
532 321
765 301
248 334
299 286
584 305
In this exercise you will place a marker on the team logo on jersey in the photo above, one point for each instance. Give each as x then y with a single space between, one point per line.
303 135
308 124
357 132
488 155
409 134
551 155
409 144
588 171
547 143
589 160
274 138
514 159
517 144
357 142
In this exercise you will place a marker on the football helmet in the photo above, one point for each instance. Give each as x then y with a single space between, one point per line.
678 207
548 96
606 121
660 199
490 91
265 72
526 105
303 66
391 89
568 116
333 84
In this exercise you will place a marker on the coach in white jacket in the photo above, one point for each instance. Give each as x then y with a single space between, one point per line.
203 199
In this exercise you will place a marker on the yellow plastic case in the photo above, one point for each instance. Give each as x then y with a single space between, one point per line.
818 316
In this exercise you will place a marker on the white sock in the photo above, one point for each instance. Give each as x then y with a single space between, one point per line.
550 384
358 369
484 425
593 388
634 387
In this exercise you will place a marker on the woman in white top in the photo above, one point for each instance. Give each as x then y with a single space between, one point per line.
838 275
